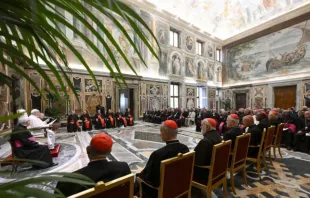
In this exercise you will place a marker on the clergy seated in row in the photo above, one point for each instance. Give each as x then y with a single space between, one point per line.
234 131
256 135
25 146
99 120
129 117
86 121
303 132
99 168
261 117
190 118
151 172
273 119
204 149
37 125
291 126
120 119
73 122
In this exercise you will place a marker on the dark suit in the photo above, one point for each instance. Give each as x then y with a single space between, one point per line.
256 136
263 124
203 155
151 172
100 170
232 134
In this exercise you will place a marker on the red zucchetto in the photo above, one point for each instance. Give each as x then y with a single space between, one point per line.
101 142
274 113
250 117
171 124
212 122
234 116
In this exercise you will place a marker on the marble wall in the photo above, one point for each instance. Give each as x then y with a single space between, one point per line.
153 95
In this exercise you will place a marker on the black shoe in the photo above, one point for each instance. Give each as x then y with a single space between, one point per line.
289 148
53 164
295 149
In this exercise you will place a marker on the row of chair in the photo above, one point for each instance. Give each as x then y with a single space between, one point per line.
172 170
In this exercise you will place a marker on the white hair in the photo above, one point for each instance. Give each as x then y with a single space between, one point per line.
34 111
233 119
173 132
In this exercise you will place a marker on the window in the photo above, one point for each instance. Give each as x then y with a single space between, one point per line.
174 38
204 97
218 55
174 95
199 48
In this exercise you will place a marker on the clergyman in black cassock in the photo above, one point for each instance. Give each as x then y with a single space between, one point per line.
25 146
99 120
300 137
256 135
119 118
234 131
86 121
263 121
73 122
204 149
151 172
110 119
99 168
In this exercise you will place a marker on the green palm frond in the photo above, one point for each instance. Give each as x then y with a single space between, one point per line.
30 32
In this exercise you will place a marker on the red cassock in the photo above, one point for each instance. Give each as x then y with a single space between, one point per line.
87 123
111 120
101 121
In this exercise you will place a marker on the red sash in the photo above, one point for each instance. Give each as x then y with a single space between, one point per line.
221 127
130 120
102 121
125 121
87 123
112 120
77 123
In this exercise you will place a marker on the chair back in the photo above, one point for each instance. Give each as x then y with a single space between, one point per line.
261 144
219 162
176 176
269 137
241 150
279 133
121 187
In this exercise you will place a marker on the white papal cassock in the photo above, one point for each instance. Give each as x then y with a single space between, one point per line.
36 122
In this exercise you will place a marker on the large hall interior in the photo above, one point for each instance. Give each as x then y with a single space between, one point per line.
155 98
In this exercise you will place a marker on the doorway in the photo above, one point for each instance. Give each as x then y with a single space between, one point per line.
126 99
240 100
285 97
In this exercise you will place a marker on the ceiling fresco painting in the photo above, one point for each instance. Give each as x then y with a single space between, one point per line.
226 18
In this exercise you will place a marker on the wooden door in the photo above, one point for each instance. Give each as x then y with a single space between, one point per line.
285 97
240 100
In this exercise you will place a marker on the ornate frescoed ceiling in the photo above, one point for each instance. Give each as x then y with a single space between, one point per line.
226 18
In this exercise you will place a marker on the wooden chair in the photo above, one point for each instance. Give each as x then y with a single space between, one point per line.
238 161
121 187
175 177
257 159
268 145
217 169
277 140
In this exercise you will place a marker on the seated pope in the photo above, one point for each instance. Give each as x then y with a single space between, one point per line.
25 146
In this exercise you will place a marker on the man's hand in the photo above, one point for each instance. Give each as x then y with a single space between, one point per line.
299 132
